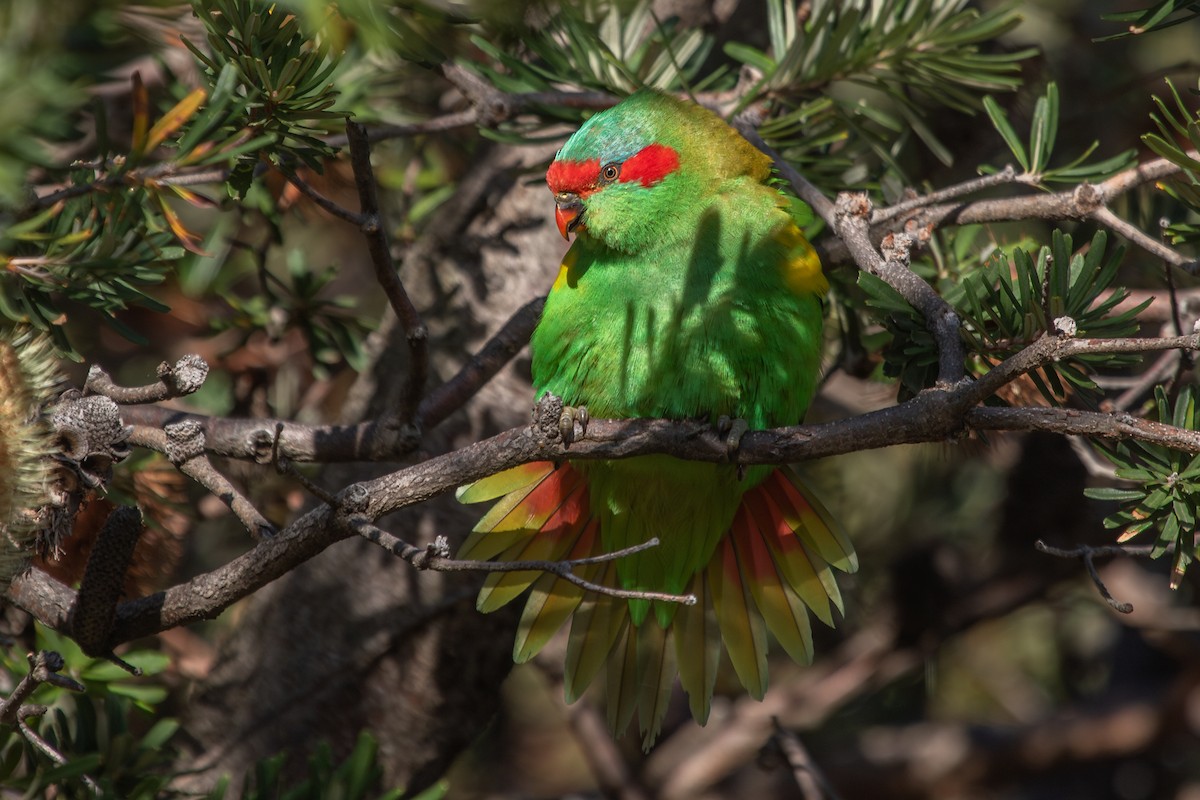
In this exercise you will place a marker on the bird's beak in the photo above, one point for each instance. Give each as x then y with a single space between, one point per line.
568 212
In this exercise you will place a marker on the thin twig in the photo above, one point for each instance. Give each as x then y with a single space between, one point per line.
332 208
1142 239
482 366
434 557
1186 361
612 772
1147 380
385 270
1079 202
44 667
1006 175
1087 553
286 467
45 747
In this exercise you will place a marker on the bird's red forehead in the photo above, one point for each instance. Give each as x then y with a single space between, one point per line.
577 177
648 166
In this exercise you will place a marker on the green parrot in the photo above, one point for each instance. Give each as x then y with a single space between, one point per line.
689 292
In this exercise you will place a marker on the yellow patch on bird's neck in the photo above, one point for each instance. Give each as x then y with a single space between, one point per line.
800 266
568 275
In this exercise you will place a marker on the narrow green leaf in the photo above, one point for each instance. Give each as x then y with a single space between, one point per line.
1004 127
1110 493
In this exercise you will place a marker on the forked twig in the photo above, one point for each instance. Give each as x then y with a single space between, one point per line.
1088 553
436 557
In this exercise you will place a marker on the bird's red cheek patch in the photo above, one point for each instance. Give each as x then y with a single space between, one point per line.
650 165
573 176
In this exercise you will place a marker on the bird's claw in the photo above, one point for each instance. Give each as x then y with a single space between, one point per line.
553 419
566 423
732 430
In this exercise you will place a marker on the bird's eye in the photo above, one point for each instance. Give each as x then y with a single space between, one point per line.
610 173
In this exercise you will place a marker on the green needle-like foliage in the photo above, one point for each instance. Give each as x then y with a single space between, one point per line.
1008 303
1034 156
1177 140
1164 494
1157 16
281 87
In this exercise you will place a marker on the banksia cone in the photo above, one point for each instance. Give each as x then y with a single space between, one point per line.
28 374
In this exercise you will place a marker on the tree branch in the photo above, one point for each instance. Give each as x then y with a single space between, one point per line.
1005 176
43 668
385 270
933 415
436 557
330 207
1088 554
265 441
482 366
184 446
182 378
1079 202
851 226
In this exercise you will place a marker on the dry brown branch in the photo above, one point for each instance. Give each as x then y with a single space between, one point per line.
184 446
1005 176
851 224
330 207
44 667
933 415
1080 202
267 440
375 231
499 350
182 378
1087 554
436 557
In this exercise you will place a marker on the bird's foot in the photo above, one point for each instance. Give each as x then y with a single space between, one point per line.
732 430
554 419
567 420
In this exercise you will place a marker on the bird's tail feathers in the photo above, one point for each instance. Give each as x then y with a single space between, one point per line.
773 566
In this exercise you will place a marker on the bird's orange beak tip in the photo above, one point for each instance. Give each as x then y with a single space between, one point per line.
565 219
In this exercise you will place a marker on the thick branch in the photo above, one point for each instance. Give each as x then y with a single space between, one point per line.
266 440
933 415
1084 423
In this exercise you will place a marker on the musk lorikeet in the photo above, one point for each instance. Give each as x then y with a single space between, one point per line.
689 292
